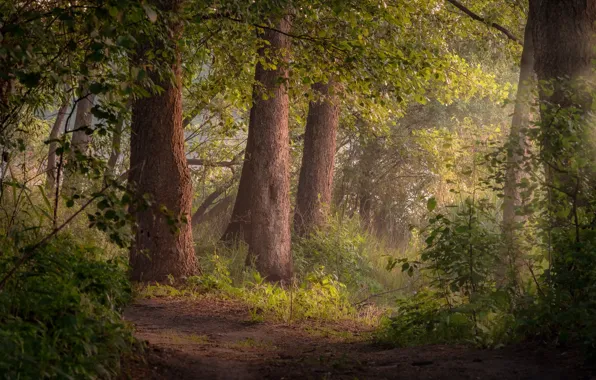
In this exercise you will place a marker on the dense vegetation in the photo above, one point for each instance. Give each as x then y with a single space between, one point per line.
423 166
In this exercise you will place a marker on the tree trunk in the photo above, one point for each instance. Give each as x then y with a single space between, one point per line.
368 157
83 119
52 146
158 168
564 34
239 227
318 159
116 148
564 40
516 150
264 197
80 142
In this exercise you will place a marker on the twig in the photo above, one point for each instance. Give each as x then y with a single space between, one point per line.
535 279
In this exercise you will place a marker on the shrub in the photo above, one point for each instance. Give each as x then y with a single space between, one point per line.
341 250
563 310
460 303
59 314
424 319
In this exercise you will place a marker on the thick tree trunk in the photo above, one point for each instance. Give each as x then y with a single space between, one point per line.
263 203
564 35
158 168
52 146
318 159
516 150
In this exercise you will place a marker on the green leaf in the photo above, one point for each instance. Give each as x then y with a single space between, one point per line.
431 204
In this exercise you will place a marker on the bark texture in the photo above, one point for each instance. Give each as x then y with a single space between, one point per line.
261 214
316 173
52 146
158 168
564 35
516 151
517 138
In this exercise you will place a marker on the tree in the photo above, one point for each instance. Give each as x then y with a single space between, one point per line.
163 244
80 140
240 226
318 160
83 123
116 149
369 157
564 36
516 150
261 213
52 146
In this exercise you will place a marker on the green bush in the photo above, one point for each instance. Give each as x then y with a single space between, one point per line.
428 318
60 314
461 303
424 319
342 250
563 310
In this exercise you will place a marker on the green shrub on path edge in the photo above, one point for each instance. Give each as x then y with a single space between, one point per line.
60 314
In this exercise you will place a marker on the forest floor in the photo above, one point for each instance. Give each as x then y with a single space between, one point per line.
215 339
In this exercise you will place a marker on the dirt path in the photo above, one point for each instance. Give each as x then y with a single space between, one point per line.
209 339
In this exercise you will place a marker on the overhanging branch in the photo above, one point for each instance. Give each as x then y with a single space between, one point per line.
476 17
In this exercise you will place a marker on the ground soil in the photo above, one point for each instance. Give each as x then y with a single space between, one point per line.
216 339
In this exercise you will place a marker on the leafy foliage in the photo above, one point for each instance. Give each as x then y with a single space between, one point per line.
317 297
60 314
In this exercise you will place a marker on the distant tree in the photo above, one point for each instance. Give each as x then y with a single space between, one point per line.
81 138
318 160
516 151
52 146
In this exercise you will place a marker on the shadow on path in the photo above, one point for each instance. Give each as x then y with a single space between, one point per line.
212 339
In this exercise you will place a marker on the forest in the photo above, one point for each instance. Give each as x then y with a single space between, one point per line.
291 189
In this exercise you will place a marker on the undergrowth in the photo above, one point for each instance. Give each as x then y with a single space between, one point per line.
339 271
317 297
60 313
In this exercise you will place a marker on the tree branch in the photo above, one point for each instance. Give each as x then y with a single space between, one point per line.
236 160
201 162
476 17
198 216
